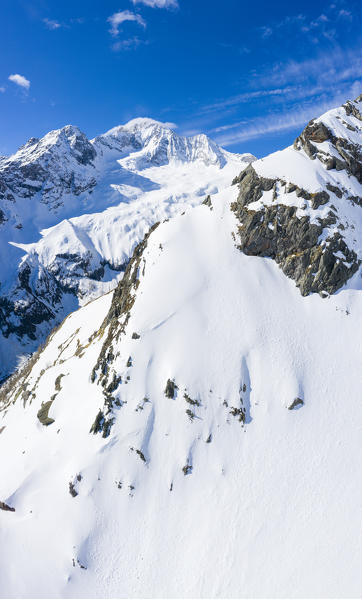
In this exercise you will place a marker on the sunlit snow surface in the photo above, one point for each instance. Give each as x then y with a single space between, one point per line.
271 509
142 173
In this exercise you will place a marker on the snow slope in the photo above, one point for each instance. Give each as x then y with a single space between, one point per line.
77 208
200 482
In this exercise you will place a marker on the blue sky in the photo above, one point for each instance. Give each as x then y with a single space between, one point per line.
249 74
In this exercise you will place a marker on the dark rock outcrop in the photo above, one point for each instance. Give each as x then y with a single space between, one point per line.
275 231
170 389
312 251
350 153
43 413
5 507
296 404
116 321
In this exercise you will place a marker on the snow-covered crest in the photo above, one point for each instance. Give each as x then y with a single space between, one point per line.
77 208
200 425
151 143
303 206
161 425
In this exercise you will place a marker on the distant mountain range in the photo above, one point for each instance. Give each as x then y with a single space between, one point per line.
76 209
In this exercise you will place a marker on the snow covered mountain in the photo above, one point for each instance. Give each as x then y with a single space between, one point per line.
90 202
196 432
302 206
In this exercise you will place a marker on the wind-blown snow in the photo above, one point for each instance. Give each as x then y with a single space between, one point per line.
270 508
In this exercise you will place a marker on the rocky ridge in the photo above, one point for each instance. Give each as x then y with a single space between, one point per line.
308 229
195 403
59 164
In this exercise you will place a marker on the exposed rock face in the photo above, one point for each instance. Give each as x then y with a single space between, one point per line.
292 241
296 404
116 320
41 297
350 155
5 507
23 311
59 164
303 231
350 108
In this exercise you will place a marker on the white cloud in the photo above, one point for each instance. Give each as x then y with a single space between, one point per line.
288 120
2 90
329 67
303 90
245 98
20 80
121 17
345 14
266 32
227 127
128 44
158 3
264 125
316 29
275 27
50 24
286 94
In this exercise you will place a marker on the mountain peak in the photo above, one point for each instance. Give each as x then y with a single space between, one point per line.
69 131
138 124
151 143
145 122
68 140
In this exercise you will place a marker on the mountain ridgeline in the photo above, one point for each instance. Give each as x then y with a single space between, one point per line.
195 429
72 211
309 232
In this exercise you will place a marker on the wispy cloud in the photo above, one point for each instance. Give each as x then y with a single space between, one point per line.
345 14
122 16
321 27
266 31
281 97
228 127
20 80
158 3
2 90
262 126
274 96
286 121
51 24
128 44
326 68
245 97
